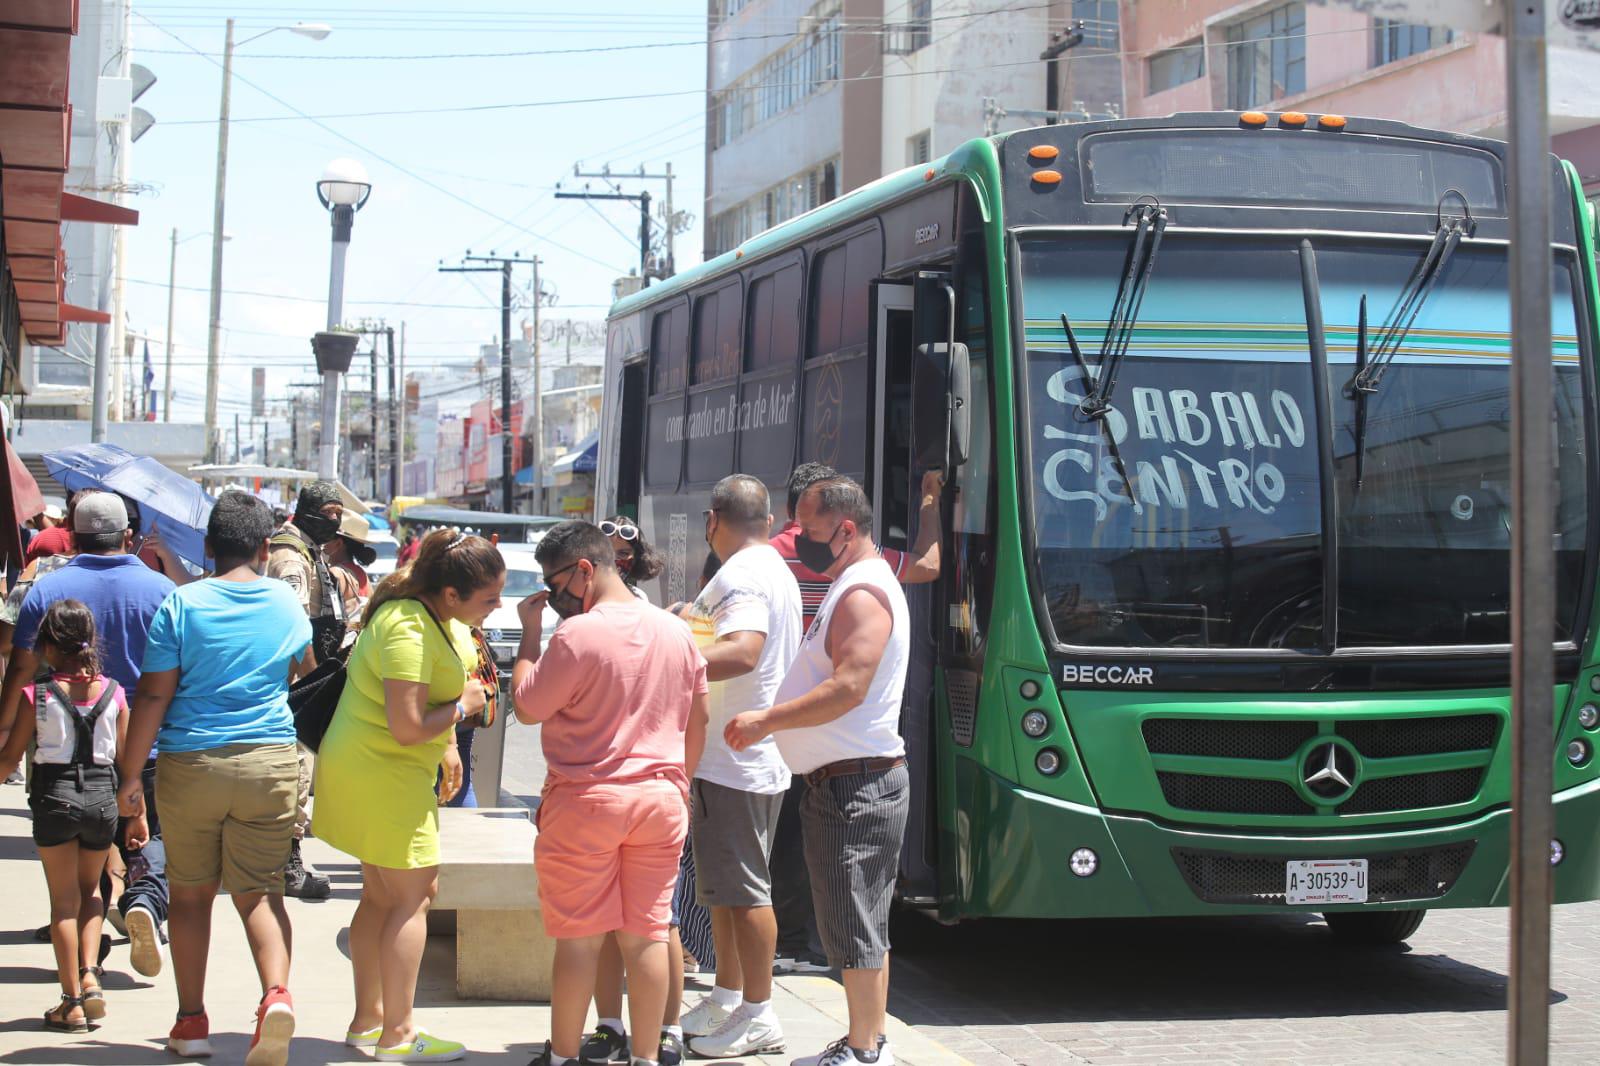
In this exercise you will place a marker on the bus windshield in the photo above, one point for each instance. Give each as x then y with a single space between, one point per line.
1190 514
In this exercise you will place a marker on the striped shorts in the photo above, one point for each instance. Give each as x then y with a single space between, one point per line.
853 826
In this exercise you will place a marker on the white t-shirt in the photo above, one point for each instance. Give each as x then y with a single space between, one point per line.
871 729
754 592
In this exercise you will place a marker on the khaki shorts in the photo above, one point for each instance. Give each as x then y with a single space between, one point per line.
228 814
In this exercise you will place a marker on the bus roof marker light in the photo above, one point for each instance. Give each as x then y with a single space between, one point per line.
1332 122
1047 177
1255 119
1084 862
1043 152
928 174
1292 119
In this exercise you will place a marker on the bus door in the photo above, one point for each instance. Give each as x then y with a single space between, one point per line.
893 485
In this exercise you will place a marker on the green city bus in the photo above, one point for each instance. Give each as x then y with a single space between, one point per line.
1223 620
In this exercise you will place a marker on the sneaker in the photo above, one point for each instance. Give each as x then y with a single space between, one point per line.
115 919
191 1036
706 1018
144 940
671 1053
302 882
15 778
274 1027
839 1053
423 1048
605 1044
746 1032
366 1039
807 963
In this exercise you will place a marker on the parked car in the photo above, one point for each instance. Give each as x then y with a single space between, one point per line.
387 548
503 628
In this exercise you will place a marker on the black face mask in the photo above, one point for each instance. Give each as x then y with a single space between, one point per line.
318 527
563 602
817 555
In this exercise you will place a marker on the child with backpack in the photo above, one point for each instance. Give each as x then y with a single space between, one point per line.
80 721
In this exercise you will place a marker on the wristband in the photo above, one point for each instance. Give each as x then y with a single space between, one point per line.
461 712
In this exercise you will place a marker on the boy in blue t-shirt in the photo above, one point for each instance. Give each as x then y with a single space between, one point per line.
214 696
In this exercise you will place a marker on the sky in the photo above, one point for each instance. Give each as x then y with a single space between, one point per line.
445 179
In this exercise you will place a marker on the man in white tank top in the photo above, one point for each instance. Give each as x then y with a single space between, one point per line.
836 722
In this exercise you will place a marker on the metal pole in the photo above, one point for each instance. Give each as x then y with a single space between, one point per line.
377 491
102 364
214 338
394 421
1532 558
172 278
328 455
671 226
401 450
507 433
536 454
238 440
644 239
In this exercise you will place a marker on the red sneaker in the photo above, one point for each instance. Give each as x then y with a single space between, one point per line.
191 1036
274 1027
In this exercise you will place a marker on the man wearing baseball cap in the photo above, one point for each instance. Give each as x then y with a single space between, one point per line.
123 595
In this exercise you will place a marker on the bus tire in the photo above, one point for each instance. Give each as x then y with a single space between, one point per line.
1373 927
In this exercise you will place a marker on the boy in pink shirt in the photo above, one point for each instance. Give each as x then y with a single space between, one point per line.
621 692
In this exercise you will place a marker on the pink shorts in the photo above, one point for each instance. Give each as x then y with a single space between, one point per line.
607 857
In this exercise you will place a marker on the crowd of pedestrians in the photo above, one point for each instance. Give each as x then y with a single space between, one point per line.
726 782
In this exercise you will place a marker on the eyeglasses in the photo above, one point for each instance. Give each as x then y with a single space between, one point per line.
624 530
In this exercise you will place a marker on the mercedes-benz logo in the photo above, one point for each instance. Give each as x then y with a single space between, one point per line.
1329 771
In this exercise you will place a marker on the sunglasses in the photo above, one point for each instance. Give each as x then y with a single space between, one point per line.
623 530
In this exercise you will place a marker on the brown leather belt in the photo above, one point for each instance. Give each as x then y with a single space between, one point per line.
846 767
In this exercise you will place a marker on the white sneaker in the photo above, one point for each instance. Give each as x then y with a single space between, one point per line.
144 940
838 1053
706 1018
746 1032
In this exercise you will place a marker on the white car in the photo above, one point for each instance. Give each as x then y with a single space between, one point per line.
503 628
387 548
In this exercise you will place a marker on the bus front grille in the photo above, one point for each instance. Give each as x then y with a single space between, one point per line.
1176 746
1393 877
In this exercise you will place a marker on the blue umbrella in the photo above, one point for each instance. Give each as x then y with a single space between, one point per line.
165 498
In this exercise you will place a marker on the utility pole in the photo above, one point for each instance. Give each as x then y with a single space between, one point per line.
214 335
507 456
394 421
643 200
536 454
401 451
1059 43
172 277
670 267
372 407
237 456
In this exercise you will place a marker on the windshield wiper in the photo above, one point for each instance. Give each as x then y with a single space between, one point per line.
1447 236
1151 224
1105 423
1360 396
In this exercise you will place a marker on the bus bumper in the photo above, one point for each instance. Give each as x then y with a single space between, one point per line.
1011 847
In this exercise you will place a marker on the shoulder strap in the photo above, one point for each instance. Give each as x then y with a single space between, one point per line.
289 540
107 694
443 632
59 693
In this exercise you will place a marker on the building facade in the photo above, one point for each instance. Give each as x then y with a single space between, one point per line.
808 99
1201 55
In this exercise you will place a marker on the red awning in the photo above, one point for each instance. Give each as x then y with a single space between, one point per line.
75 208
74 313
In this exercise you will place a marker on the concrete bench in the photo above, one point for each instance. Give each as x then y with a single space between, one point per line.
487 879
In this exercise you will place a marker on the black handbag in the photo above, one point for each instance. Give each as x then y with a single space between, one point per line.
314 698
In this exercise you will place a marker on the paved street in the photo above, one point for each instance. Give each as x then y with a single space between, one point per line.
1247 990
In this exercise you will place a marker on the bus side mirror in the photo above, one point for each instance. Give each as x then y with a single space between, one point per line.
941 417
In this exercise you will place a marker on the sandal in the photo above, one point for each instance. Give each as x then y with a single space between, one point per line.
94 999
56 1018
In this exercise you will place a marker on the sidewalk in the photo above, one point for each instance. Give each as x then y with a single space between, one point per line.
141 1010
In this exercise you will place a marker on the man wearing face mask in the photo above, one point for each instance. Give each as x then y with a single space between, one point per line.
297 559
621 695
836 722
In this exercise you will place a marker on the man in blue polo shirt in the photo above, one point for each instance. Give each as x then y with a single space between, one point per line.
123 594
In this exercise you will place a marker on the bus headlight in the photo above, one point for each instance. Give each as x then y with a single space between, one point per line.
1578 752
1084 862
1589 716
1035 724
1030 689
1048 762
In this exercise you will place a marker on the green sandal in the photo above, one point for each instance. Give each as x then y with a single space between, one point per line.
56 1018
94 999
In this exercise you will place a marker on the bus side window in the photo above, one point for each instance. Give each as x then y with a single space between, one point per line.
712 418
669 359
767 394
838 376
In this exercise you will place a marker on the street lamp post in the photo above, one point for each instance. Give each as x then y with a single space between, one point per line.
316 31
343 190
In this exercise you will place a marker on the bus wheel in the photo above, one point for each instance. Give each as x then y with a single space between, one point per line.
1373 927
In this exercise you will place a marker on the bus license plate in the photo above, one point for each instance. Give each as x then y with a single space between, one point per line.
1315 881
